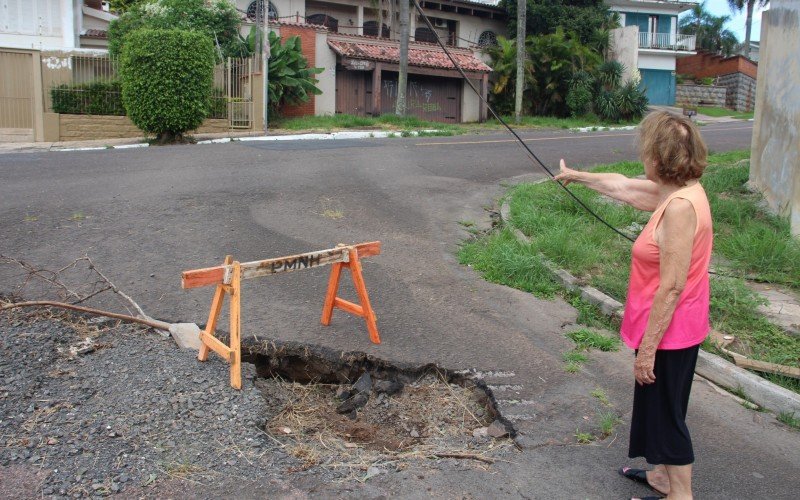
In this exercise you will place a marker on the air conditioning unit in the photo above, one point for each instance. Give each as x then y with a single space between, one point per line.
440 23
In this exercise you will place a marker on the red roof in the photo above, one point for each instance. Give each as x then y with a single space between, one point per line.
94 33
419 54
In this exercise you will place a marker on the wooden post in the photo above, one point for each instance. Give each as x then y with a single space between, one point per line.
216 308
236 325
363 297
330 295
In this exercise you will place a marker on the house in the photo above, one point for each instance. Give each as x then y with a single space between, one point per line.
54 24
755 45
361 60
649 41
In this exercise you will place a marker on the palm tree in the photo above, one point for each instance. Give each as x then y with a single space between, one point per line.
738 6
709 30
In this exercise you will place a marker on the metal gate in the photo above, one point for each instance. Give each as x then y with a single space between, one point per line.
233 91
16 96
430 98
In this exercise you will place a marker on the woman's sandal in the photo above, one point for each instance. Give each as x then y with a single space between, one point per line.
640 476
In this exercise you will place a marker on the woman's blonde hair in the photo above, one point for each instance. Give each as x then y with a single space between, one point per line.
674 144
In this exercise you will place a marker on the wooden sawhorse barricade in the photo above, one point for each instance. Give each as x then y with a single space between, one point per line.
228 278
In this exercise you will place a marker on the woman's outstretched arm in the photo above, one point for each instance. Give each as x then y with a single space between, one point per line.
638 193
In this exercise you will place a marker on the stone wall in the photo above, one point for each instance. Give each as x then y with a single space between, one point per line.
741 91
91 127
700 95
775 154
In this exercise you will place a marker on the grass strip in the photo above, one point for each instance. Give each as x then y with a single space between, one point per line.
749 242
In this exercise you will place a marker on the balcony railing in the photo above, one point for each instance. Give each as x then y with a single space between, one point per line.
666 41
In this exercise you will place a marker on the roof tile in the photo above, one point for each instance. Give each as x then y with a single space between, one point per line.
424 55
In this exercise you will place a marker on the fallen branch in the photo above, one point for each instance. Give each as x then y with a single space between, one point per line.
464 456
159 325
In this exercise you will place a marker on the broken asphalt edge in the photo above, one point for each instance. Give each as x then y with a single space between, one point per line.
710 366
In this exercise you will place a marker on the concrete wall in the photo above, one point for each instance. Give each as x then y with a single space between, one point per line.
470 103
625 49
664 61
700 95
325 104
91 127
775 154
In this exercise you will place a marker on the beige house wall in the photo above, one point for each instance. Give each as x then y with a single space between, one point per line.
775 149
325 103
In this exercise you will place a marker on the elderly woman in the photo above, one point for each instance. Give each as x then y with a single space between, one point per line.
666 312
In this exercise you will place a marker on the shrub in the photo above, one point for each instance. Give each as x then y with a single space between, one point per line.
95 98
708 80
166 80
632 101
609 74
290 78
579 97
606 105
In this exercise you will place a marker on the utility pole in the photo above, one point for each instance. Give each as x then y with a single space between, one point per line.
521 7
402 80
265 50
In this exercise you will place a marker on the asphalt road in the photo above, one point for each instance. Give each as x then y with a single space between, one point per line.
144 215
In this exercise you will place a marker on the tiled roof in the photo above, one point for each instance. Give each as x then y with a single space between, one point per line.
488 3
94 33
419 54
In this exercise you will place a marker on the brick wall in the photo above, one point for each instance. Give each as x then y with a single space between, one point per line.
308 45
704 64
91 127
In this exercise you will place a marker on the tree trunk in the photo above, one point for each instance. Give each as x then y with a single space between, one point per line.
402 79
380 18
521 6
391 19
748 27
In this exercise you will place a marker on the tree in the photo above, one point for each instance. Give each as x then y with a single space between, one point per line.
167 78
402 78
709 30
520 80
218 20
290 79
749 5
544 17
503 60
120 6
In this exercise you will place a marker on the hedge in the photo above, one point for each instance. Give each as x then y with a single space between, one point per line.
95 98
167 80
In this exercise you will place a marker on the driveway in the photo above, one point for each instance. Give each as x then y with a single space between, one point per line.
145 215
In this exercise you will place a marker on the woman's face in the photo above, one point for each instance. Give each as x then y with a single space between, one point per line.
650 170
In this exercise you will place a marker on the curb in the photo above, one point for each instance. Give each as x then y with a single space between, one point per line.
716 369
347 134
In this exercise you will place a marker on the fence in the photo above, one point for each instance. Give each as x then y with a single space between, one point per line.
16 92
666 41
88 84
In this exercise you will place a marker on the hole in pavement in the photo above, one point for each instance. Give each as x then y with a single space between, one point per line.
351 410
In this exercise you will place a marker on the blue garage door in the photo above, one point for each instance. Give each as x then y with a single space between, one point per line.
660 86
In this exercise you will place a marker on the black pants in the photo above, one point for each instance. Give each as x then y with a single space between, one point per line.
658 424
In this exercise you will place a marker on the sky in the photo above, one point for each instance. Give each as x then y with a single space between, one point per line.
737 22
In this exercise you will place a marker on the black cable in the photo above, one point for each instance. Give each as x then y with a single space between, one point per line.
498 118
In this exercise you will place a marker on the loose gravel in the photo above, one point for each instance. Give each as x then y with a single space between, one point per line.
91 410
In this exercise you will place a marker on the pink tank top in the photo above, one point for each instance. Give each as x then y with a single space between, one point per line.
689 325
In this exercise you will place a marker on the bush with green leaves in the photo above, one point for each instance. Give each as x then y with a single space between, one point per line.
218 20
291 80
579 97
631 101
167 80
94 98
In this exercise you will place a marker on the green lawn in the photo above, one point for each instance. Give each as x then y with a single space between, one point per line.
717 112
394 123
748 242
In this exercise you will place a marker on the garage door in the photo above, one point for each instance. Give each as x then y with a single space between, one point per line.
430 98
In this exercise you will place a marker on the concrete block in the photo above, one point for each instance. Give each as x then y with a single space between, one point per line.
186 335
601 300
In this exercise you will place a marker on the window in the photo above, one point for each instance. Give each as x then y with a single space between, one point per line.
424 35
324 20
371 29
252 10
487 39
30 17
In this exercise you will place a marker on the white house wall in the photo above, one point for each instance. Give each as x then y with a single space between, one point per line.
470 103
325 104
37 24
654 61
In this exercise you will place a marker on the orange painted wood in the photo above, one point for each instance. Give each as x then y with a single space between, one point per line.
330 295
216 307
363 297
236 325
216 345
346 305
215 275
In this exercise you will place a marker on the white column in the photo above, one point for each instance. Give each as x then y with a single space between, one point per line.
360 19
673 30
68 17
412 25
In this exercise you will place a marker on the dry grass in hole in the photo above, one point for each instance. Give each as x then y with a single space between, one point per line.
443 416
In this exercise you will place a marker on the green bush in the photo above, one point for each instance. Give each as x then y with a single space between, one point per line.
579 97
708 80
167 80
95 98
631 101
606 105
290 78
218 20
609 74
